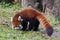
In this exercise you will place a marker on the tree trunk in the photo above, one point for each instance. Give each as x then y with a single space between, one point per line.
37 4
52 7
57 9
48 5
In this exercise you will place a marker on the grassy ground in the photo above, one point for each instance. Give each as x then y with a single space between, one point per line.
6 33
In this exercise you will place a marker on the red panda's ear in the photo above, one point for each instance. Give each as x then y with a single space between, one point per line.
20 19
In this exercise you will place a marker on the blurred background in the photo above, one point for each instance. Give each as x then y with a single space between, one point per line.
8 8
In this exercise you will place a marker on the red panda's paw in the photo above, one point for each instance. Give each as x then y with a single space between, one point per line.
49 31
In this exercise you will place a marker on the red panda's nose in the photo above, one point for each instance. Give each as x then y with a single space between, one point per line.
49 31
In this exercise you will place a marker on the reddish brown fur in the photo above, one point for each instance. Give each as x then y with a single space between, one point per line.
30 13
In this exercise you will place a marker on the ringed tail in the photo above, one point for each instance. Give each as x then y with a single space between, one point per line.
41 18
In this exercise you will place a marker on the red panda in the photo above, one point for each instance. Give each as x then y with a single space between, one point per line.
32 15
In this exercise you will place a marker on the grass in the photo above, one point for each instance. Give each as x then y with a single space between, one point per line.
6 33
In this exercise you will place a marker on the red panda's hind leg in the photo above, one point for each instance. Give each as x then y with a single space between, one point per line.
35 25
30 25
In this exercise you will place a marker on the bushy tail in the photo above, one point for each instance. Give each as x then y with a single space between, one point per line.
41 18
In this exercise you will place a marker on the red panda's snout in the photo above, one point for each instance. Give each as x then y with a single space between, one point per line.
19 27
16 23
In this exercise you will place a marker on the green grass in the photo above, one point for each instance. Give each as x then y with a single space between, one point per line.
52 19
6 33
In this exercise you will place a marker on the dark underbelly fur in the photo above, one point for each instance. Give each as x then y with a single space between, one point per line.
33 24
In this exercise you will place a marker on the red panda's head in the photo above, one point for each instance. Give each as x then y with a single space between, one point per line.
16 22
